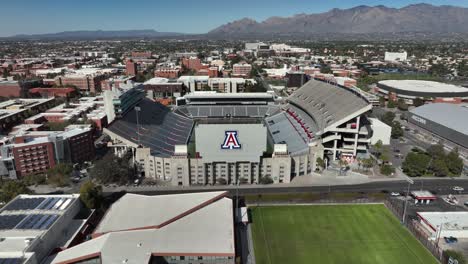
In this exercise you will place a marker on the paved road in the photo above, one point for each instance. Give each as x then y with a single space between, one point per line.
439 186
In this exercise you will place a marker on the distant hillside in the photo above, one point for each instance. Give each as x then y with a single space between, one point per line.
360 20
99 34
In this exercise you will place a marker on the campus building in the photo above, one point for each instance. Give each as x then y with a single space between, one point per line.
34 226
448 121
173 229
37 151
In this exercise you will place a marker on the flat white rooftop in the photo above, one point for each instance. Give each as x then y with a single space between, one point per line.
423 195
448 220
197 224
424 86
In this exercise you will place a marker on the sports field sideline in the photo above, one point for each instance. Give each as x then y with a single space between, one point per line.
326 234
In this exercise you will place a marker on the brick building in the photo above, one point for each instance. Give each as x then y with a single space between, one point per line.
88 83
33 157
241 69
169 73
131 67
37 151
17 88
53 92
193 63
141 54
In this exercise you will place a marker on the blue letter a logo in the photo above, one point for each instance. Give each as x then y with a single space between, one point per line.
231 141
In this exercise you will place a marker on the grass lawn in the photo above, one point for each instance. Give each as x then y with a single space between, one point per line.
326 234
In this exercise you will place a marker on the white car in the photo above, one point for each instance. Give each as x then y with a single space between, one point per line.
458 189
394 194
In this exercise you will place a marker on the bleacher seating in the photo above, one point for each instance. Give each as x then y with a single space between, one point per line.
327 103
159 128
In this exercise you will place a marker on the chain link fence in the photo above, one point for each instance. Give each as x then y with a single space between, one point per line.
415 227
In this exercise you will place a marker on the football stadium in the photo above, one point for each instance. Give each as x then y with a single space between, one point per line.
229 138
352 234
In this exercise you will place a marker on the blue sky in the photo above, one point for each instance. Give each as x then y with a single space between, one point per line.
187 16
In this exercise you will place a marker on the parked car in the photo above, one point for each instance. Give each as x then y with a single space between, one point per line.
395 194
458 189
450 240
136 182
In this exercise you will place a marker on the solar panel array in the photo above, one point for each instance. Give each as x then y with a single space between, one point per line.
55 203
33 213
25 204
10 261
10 221
37 221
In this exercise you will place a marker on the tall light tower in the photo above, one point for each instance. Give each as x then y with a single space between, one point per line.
137 110
410 181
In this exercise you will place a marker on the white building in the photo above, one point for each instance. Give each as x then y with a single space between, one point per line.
445 224
194 83
180 228
229 85
396 56
380 131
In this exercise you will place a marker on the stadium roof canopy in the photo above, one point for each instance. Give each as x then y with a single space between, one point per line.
159 128
328 105
138 227
228 95
449 115
204 111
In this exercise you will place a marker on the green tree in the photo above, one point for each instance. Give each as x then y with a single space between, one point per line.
382 101
367 163
266 180
320 163
436 151
387 169
221 181
91 195
439 168
455 255
397 131
111 169
388 118
402 105
59 175
418 102
416 164
454 163
11 189
439 70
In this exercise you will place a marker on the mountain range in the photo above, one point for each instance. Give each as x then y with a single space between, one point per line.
99 34
418 21
357 20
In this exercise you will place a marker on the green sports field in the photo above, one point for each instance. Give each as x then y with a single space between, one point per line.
326 234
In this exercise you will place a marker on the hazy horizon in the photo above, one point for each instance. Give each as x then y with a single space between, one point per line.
185 16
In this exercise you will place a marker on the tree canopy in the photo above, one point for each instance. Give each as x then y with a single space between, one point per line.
91 195
11 189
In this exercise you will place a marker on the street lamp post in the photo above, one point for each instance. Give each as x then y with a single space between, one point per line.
138 109
410 181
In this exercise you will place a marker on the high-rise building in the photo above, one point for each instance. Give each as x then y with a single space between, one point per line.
131 67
